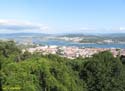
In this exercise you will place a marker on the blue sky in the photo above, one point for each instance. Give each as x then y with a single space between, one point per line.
62 16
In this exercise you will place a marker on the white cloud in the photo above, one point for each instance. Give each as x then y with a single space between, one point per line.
104 30
18 26
122 28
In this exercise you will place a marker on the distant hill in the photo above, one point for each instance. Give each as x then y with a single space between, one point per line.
15 35
111 35
78 35
115 35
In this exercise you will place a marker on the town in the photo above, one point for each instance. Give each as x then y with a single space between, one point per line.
73 52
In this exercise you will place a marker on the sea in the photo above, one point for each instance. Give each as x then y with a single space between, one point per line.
67 43
81 45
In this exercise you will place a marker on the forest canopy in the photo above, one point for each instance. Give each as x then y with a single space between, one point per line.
36 72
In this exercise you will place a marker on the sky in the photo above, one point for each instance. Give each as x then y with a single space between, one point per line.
62 16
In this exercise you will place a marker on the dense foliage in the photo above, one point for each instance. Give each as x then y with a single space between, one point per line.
37 72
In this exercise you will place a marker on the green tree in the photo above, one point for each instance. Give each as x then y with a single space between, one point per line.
103 72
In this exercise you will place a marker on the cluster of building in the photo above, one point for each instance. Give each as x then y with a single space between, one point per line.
73 52
74 39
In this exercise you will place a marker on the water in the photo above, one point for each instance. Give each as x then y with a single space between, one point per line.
66 43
